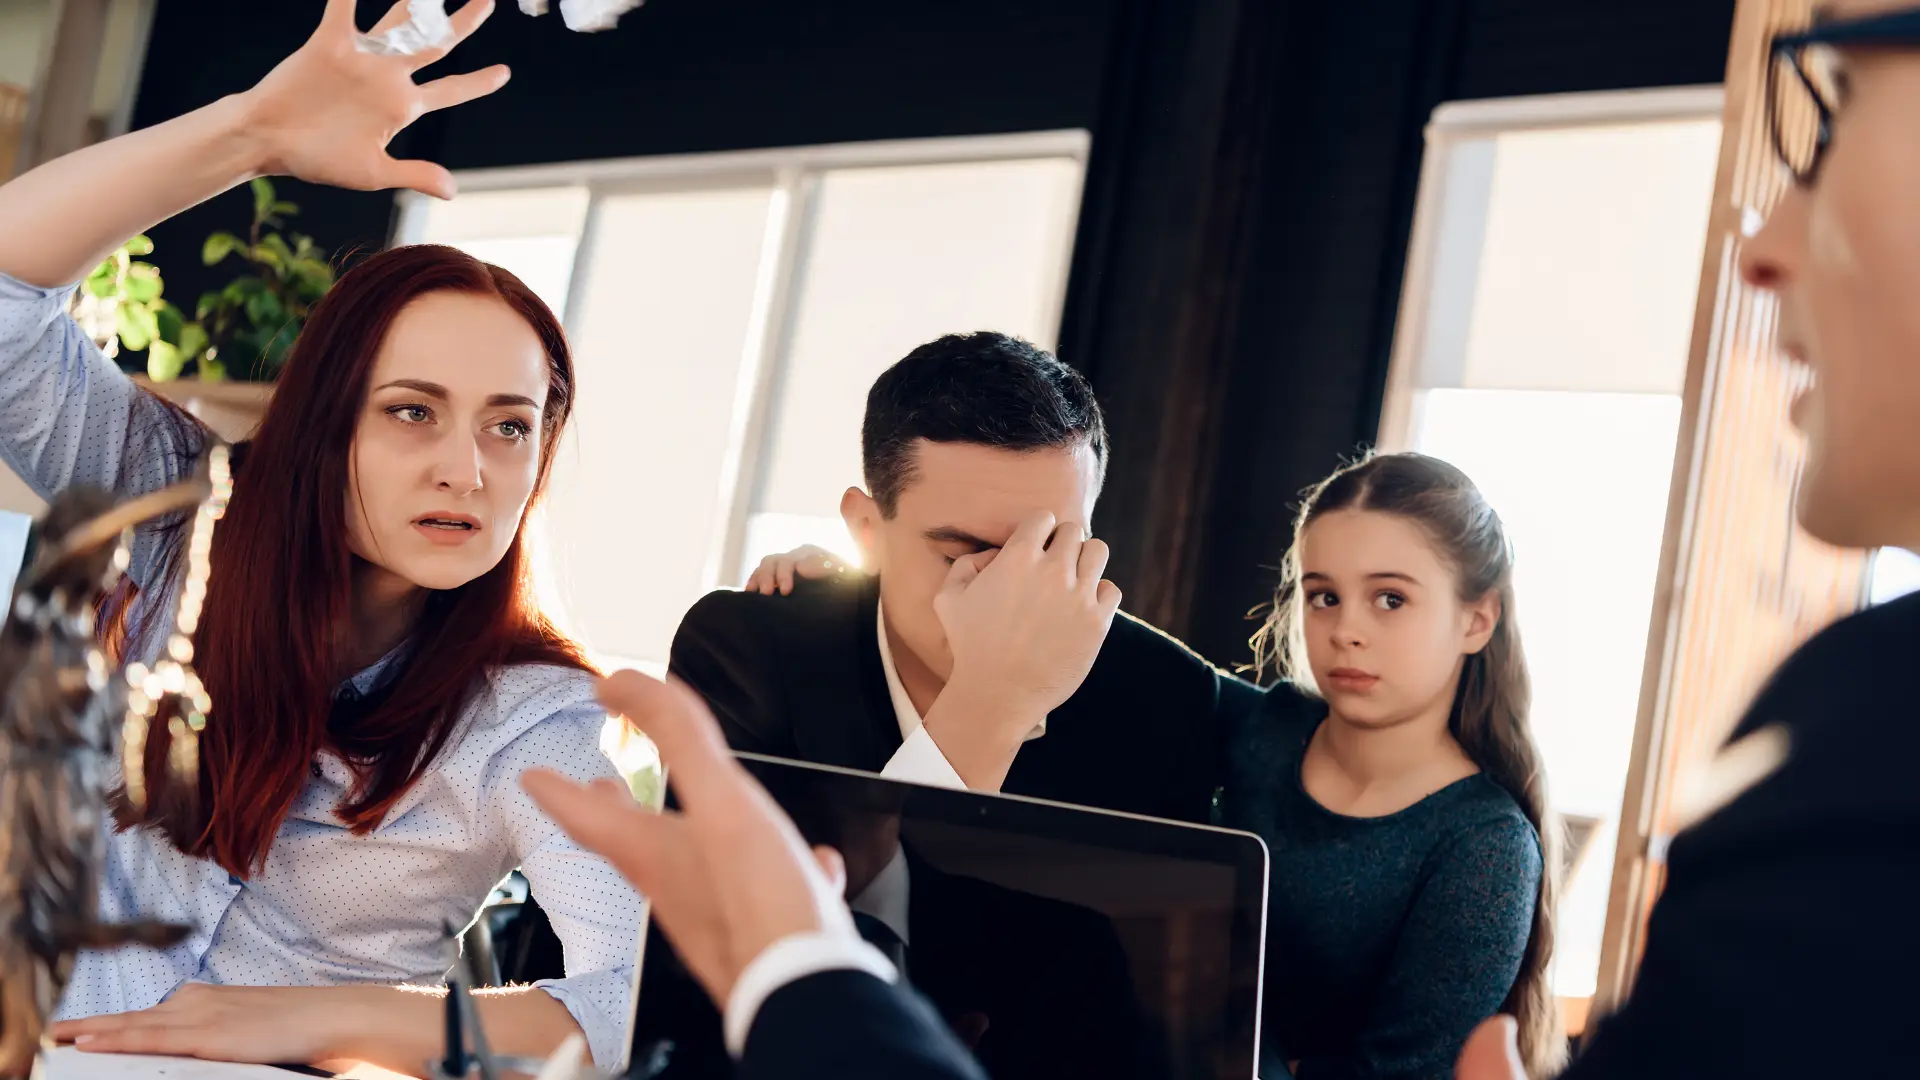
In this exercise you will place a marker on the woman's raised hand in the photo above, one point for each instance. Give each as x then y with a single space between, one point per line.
327 113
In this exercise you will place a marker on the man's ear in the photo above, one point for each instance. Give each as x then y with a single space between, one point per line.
862 515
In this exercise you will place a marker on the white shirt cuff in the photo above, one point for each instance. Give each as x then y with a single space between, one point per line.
789 960
919 761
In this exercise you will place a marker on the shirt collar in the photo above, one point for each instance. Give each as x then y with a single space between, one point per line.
903 710
370 678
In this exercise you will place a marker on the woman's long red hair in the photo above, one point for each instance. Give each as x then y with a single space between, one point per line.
281 584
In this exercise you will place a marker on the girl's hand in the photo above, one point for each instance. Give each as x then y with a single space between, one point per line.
776 572
327 112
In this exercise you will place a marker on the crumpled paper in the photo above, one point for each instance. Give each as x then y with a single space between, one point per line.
585 16
427 25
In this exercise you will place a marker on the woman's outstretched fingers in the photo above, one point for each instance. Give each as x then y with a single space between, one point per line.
424 177
451 90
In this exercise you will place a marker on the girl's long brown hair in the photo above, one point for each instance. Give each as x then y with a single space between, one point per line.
281 583
1489 718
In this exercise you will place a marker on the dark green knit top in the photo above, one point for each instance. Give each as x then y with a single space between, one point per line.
1389 938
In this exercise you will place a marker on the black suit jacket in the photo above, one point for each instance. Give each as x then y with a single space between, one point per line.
1785 941
848 1025
800 677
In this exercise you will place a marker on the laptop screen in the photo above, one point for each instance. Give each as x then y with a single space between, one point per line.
1055 941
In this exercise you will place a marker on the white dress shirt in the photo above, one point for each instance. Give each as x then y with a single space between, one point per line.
789 960
919 760
331 908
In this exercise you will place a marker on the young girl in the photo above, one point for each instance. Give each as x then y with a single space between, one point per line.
1394 779
380 673
1396 783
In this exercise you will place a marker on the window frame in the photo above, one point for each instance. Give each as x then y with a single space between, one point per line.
1452 125
1457 122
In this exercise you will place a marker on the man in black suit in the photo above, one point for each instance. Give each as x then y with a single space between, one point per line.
1787 927
984 651
752 913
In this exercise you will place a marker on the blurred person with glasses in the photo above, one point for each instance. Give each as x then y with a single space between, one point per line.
1787 939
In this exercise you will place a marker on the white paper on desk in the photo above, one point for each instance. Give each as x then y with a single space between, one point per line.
66 1063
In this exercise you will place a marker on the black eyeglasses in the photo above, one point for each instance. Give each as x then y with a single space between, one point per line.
1806 83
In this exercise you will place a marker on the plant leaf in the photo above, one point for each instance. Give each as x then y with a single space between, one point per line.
314 278
275 354
212 370
218 246
136 331
164 362
105 288
209 303
170 321
193 340
143 284
263 197
265 310
263 253
139 245
285 209
240 288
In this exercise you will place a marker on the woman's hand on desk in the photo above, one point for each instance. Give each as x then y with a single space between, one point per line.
261 1024
396 1028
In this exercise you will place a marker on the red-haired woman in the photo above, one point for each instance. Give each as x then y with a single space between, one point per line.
380 671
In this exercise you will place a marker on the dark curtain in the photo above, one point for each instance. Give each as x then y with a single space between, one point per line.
1241 249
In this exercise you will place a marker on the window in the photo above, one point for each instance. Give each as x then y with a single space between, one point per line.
727 313
1543 344
1896 572
111 34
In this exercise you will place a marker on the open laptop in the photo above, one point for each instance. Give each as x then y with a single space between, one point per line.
1055 940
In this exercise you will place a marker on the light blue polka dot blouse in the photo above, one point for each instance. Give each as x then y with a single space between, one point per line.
331 908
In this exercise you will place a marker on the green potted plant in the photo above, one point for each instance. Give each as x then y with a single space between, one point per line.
248 326
241 331
120 304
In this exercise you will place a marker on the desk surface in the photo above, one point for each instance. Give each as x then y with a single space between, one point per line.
66 1063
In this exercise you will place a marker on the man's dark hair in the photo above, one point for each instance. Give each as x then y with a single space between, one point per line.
984 388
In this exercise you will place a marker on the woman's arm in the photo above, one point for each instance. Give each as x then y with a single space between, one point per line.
325 114
396 1028
1459 951
594 911
67 415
